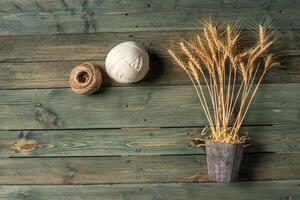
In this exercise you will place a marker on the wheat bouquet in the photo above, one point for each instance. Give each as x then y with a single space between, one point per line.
219 57
231 72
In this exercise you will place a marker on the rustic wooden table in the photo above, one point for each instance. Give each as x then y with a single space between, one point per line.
132 142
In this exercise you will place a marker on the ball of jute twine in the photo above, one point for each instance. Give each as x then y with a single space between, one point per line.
85 79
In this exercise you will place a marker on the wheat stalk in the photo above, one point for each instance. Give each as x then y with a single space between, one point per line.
214 56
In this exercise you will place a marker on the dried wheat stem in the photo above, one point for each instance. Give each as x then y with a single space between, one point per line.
214 52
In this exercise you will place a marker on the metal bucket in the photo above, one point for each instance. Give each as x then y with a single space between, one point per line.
223 160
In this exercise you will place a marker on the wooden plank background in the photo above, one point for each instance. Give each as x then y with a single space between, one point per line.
83 16
134 141
268 190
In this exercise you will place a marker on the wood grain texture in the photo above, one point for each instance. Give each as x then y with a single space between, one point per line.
167 141
74 47
74 16
223 161
162 73
55 144
140 169
272 190
159 106
49 63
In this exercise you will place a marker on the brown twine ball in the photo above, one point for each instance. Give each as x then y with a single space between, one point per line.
85 79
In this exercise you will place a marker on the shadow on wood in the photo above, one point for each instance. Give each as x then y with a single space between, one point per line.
157 67
249 166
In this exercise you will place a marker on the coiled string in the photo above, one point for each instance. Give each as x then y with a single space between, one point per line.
85 79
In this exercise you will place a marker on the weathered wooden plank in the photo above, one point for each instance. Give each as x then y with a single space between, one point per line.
32 48
135 141
139 169
49 62
74 16
272 190
118 107
162 73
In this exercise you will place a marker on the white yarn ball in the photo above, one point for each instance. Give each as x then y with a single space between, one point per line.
127 62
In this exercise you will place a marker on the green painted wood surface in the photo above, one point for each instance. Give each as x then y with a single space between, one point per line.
266 190
162 73
53 136
74 16
159 106
167 141
68 47
140 169
49 63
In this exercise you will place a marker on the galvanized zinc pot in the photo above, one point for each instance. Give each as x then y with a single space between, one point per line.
223 160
